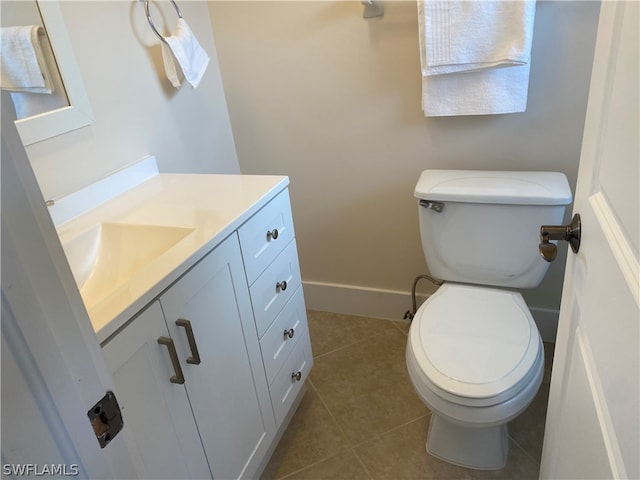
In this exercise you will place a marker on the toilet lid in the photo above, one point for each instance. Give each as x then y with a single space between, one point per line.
476 342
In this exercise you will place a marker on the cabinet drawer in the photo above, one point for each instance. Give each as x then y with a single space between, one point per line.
291 377
283 334
273 289
265 235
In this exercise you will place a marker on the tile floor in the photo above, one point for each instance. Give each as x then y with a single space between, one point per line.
360 418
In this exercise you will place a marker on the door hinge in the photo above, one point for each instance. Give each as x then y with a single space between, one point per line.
106 419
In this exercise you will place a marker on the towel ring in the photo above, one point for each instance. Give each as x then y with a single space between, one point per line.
150 20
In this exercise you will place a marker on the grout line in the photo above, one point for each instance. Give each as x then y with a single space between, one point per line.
351 446
335 420
347 437
524 450
304 467
308 466
362 339
395 322
381 434
366 470
338 349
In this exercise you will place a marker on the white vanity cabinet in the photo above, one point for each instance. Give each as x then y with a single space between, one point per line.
227 388
207 374
206 318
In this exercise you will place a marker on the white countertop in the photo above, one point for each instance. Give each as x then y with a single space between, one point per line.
212 205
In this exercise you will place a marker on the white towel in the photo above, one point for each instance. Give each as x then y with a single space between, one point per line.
475 56
184 48
24 68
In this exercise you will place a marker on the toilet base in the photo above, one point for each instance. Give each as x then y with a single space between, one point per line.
477 448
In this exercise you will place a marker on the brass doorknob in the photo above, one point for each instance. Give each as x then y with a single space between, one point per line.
570 233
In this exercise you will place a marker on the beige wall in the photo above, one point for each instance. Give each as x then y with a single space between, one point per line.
137 112
332 100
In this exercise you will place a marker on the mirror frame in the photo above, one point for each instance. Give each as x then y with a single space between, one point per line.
78 113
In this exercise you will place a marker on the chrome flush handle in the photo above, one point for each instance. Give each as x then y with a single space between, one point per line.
431 205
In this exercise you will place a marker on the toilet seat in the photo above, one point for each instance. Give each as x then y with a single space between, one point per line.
475 346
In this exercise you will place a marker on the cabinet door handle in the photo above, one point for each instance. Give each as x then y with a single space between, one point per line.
194 359
178 377
281 285
297 376
272 234
289 333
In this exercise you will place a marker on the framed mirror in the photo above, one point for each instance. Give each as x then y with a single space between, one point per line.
73 112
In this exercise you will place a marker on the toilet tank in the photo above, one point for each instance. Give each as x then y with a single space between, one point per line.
483 227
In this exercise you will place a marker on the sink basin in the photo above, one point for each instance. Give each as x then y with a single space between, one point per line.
108 255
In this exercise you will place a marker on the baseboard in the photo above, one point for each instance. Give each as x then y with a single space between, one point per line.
393 304
356 300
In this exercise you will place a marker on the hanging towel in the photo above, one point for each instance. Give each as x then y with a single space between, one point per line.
475 56
184 48
24 68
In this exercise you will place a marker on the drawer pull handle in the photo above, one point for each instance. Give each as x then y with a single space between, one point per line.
194 359
272 234
297 376
289 333
178 377
281 285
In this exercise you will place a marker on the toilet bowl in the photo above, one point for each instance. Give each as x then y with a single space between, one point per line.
475 358
474 353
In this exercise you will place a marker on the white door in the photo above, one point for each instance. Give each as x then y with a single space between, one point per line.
52 370
592 427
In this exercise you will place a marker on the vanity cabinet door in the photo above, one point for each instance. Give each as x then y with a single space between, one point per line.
155 411
209 315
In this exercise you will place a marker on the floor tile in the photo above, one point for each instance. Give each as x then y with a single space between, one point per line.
344 466
361 418
527 430
312 436
401 454
403 325
366 387
549 349
332 331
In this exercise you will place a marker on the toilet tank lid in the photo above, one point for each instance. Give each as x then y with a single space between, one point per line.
483 186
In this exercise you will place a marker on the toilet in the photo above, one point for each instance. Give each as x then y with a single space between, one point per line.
474 353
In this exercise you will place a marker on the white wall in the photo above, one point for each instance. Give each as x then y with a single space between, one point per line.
332 100
326 97
137 112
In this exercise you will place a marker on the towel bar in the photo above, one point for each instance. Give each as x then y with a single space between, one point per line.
150 20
